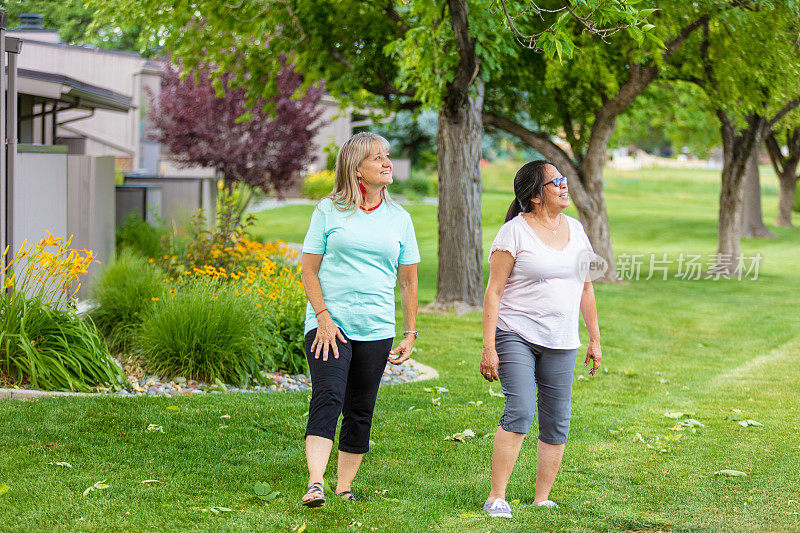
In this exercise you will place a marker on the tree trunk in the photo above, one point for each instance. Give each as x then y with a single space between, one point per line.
752 217
737 149
786 199
730 219
458 142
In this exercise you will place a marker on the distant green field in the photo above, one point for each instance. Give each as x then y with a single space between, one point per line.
710 350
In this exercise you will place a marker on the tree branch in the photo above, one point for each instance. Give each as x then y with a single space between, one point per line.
468 66
785 110
538 141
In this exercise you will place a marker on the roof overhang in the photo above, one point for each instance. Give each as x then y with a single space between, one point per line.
71 91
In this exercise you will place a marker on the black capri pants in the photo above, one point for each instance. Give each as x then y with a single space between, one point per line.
348 386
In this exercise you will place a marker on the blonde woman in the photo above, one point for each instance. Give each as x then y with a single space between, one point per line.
359 246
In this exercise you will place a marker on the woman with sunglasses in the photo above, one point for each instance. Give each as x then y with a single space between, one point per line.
537 285
359 245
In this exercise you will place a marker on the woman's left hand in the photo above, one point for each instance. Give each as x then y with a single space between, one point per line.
403 351
594 354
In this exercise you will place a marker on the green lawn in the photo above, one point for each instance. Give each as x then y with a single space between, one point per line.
705 347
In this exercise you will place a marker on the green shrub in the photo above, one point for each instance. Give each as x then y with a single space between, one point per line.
318 185
123 291
51 348
416 186
204 331
796 206
140 236
283 307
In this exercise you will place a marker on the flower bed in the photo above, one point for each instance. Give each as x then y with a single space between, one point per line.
43 342
225 308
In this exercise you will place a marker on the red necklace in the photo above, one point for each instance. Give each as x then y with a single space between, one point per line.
371 209
364 194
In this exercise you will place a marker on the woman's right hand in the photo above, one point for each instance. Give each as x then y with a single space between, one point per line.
325 339
490 364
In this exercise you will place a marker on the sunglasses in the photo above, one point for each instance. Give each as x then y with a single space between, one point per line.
558 182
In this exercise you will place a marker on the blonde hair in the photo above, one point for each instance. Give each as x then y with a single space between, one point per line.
346 195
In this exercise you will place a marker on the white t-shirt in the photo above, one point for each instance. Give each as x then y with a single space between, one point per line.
541 300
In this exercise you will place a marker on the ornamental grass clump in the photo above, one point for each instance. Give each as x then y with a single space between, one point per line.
123 291
43 342
204 331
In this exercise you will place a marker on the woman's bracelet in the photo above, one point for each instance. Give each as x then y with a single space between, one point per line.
411 331
317 315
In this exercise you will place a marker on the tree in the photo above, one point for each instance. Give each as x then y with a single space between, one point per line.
583 98
390 55
786 167
233 134
752 215
750 84
667 119
73 21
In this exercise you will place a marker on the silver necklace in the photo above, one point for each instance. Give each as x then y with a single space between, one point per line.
551 230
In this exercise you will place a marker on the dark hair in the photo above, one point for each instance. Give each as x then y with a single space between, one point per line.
528 183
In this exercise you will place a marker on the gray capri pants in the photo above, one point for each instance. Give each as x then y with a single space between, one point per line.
525 366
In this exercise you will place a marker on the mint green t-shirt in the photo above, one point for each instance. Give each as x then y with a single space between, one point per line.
360 253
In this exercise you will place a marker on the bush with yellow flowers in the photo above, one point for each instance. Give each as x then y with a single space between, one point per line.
43 342
318 185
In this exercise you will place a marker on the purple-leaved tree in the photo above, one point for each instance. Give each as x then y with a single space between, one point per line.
262 149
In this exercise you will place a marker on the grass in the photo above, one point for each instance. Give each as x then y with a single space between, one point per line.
704 346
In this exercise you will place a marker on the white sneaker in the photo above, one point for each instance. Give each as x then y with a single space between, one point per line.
549 504
498 508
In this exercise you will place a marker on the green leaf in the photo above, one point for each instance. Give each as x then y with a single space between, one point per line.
148 481
173 408
61 464
100 485
262 489
4 488
732 473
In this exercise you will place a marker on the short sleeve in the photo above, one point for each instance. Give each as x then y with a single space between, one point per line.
506 240
409 251
316 236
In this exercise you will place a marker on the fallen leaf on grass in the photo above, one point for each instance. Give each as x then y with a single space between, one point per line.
461 437
217 510
100 485
733 418
476 403
745 423
467 515
225 416
148 481
675 415
4 488
173 408
299 529
61 464
265 492
493 393
151 428
582 378
383 495
733 473
515 502
442 389
638 438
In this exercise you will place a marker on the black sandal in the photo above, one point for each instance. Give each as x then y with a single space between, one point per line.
315 488
347 495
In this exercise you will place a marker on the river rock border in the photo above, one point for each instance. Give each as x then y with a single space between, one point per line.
408 372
